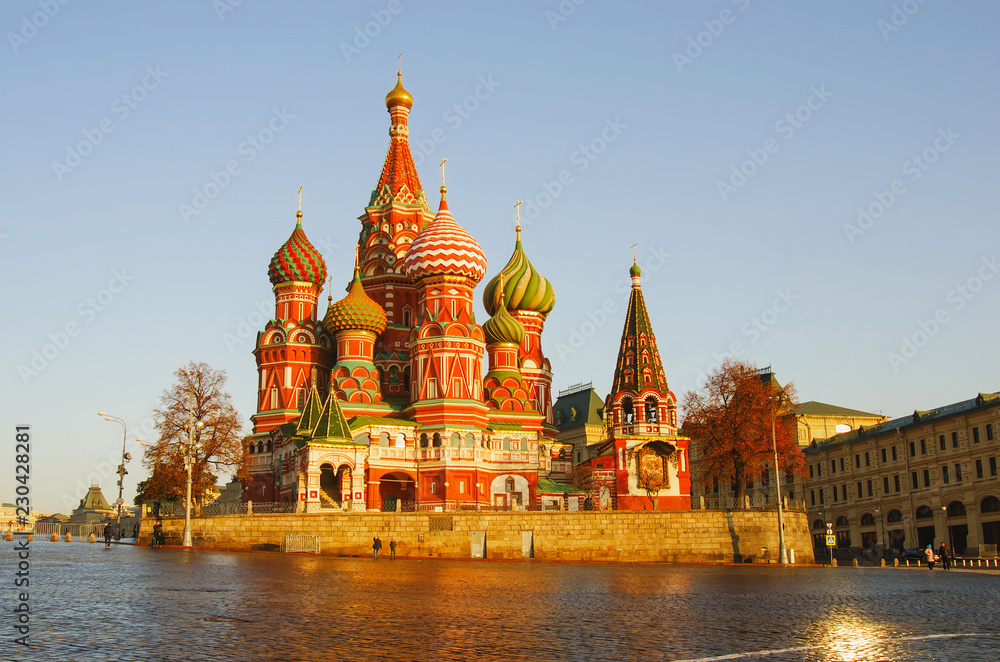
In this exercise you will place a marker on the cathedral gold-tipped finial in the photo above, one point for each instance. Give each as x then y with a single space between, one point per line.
399 64
444 189
298 214
517 212
634 261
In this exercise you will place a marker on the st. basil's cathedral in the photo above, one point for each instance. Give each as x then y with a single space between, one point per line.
383 404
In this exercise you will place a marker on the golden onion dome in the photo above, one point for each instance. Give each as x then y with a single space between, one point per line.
356 311
398 96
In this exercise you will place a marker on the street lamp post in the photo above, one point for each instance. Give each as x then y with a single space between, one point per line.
121 469
782 558
189 458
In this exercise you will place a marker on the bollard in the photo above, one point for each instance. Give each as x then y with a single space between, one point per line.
833 563
881 563
90 538
855 563
907 563
31 537
54 537
10 536
68 538
895 563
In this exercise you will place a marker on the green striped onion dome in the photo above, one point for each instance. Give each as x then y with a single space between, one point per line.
297 260
524 287
503 328
356 311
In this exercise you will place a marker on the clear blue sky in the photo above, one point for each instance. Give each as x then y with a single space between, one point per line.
831 99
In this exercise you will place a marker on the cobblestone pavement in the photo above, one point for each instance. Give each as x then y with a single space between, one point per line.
137 603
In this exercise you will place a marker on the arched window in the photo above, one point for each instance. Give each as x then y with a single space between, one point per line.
867 520
819 524
842 521
252 447
383 439
628 414
956 509
400 440
270 445
436 441
506 443
651 409
423 440
925 512
524 446
990 505
509 484
434 487
894 516
260 446
470 441
456 440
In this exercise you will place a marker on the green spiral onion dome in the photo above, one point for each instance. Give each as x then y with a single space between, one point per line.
525 288
503 328
356 311
297 260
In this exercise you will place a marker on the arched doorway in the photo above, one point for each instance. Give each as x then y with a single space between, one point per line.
329 487
395 487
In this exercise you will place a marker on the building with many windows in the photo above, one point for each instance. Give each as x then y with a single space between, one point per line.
923 479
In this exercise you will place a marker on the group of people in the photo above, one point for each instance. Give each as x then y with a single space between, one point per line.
109 533
377 547
941 555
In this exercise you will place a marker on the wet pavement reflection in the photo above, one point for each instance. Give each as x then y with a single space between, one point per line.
137 603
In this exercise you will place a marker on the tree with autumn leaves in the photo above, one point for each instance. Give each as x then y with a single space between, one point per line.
729 421
199 390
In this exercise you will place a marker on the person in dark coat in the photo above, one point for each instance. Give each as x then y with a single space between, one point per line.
376 545
154 539
945 559
392 549
108 532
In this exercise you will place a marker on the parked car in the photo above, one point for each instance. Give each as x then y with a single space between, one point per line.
913 554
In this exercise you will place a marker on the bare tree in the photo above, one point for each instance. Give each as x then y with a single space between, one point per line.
197 396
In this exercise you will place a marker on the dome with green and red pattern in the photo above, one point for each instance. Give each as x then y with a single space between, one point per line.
297 260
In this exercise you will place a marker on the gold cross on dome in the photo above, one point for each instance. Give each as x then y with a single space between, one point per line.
399 63
633 253
442 170
300 197
517 212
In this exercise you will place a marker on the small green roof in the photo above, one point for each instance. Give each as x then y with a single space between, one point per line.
505 426
549 486
358 422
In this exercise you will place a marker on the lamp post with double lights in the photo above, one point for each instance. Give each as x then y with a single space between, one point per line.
189 455
126 457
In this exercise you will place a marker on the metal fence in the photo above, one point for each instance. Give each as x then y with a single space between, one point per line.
746 503
301 544
227 508
76 531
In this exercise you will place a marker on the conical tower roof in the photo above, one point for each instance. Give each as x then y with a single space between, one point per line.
639 365
331 423
398 170
310 412
525 289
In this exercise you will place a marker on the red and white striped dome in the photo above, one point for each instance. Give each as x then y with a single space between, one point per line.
444 248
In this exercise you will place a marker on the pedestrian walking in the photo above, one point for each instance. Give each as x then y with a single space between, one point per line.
929 555
943 555
392 549
107 535
154 539
376 545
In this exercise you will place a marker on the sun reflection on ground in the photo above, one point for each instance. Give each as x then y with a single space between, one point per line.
849 639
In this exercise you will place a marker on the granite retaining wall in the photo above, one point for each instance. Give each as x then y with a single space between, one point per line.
695 536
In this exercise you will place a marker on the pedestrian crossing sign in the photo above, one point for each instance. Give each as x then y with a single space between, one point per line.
831 541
